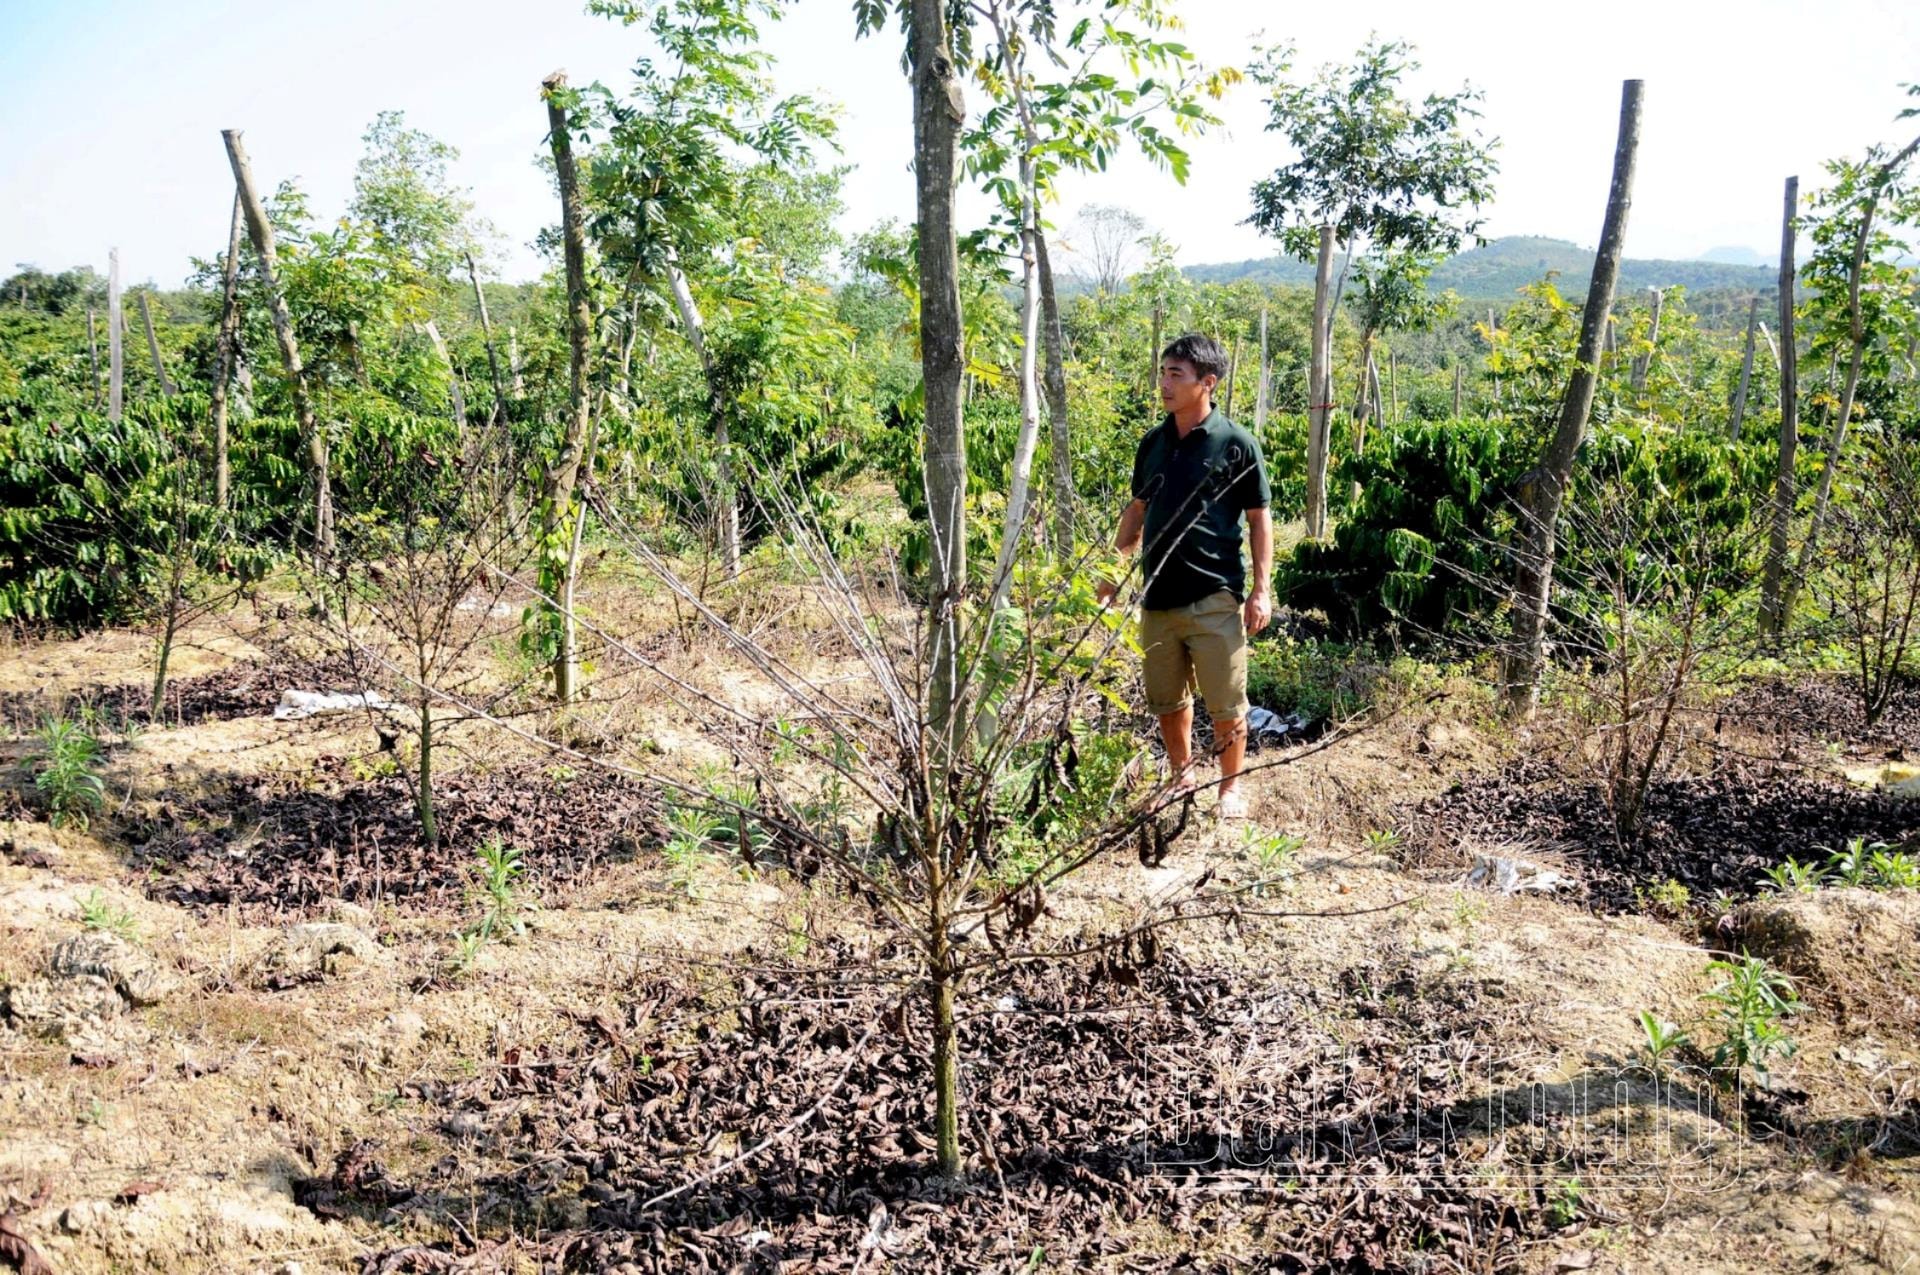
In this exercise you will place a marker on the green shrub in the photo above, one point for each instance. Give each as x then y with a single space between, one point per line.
1050 795
1420 547
1315 681
94 513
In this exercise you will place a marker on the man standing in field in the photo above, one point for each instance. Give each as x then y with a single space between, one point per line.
1193 478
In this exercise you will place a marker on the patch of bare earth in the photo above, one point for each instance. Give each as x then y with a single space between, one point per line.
1375 1067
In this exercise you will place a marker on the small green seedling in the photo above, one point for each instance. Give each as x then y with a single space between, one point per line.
1669 898
1273 851
1563 1204
1383 840
97 914
1468 912
1854 865
690 830
500 868
466 951
1893 869
1795 877
65 773
1751 1003
1662 1040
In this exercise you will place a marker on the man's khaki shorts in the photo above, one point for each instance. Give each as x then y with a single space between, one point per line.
1204 645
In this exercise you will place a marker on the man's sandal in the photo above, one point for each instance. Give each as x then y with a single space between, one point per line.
1232 806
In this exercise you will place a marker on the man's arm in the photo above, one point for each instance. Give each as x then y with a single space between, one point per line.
1259 608
1133 520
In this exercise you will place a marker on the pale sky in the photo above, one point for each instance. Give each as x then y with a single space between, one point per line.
111 118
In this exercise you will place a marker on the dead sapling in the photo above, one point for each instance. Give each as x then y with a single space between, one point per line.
417 588
953 839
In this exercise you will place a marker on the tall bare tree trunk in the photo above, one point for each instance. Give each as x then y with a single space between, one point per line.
1153 359
1392 411
1320 390
1366 403
563 475
456 393
1054 341
939 108
93 360
513 363
1260 390
311 434
1773 615
1857 332
1542 490
1233 370
1029 436
153 349
226 346
1746 372
728 497
499 415
116 352
1493 329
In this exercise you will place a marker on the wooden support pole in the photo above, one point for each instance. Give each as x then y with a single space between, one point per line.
1260 403
1773 619
1746 371
93 360
116 353
226 347
153 349
311 435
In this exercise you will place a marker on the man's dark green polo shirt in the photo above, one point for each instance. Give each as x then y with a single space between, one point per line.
1195 489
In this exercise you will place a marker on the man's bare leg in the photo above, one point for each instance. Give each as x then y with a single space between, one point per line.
1230 743
1176 732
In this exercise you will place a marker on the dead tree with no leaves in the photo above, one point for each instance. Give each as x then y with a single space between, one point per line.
315 438
226 350
1773 618
1545 487
116 356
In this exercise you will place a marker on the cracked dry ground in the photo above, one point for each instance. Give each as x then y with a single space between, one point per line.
275 1073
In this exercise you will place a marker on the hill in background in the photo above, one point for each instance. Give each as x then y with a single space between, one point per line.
1496 272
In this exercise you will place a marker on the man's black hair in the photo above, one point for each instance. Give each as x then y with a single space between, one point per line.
1208 356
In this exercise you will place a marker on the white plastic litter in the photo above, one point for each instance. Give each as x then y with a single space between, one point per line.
1264 721
298 704
1511 876
496 611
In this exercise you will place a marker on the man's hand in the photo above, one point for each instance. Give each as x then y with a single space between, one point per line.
1105 592
1257 612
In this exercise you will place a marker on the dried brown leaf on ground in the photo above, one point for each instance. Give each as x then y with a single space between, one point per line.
15 1248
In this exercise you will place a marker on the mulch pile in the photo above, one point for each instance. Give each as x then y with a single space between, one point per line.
1817 709
1096 1116
249 688
1710 832
285 846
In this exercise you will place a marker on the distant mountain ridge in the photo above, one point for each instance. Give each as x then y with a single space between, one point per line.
1499 269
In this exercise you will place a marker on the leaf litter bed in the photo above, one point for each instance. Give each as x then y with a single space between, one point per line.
280 845
1812 709
249 688
1162 1118
1716 832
